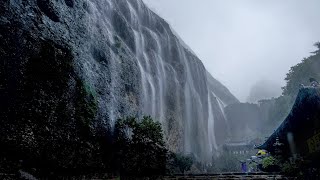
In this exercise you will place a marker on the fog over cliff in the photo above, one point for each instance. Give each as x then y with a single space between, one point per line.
243 42
264 89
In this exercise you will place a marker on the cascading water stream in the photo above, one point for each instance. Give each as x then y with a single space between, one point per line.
152 66
212 139
173 81
222 105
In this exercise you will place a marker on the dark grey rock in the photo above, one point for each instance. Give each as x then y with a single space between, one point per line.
116 55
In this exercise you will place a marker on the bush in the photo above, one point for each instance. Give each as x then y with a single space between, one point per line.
270 164
179 163
140 147
268 161
289 169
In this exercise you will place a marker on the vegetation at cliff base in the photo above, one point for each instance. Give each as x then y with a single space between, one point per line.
141 151
178 163
141 148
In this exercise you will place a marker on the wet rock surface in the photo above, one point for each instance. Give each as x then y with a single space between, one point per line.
70 68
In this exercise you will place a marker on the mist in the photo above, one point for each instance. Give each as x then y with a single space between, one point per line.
244 42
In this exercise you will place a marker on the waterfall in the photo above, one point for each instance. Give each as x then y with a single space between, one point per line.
137 65
173 81
212 139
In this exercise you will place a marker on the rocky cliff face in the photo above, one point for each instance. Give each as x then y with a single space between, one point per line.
69 67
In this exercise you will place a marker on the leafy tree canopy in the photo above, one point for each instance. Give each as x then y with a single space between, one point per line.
141 148
179 163
300 73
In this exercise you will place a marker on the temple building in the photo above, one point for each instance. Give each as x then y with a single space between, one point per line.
299 134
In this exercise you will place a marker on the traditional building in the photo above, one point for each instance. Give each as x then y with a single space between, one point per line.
241 147
300 131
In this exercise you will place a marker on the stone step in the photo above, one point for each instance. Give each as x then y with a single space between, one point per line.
228 176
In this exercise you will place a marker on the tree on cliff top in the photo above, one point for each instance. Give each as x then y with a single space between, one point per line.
317 44
300 73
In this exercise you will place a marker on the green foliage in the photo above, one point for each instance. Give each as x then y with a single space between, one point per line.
179 163
300 169
88 89
141 148
183 162
290 169
86 104
300 73
269 162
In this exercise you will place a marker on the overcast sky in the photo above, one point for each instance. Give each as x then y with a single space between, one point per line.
242 42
